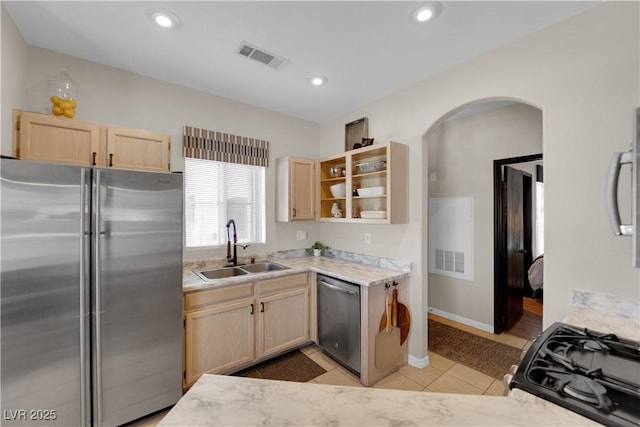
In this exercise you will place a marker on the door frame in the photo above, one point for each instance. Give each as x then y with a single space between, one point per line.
499 249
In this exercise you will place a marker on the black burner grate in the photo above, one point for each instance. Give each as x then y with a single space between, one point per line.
594 374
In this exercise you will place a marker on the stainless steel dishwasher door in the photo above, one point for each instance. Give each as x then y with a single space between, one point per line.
339 320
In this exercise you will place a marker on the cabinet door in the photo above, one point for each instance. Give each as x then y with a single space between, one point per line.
138 149
302 183
218 339
56 139
284 321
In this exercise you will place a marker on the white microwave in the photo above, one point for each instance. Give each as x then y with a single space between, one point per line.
631 157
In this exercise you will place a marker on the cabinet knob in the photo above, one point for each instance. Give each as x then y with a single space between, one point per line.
93 158
110 159
261 307
294 212
251 309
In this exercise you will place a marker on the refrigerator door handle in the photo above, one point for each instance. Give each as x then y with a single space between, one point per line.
83 269
98 304
613 175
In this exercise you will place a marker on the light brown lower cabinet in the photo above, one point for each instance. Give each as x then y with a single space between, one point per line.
229 328
284 322
218 339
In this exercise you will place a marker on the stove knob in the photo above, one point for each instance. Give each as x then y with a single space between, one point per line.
506 380
522 354
513 369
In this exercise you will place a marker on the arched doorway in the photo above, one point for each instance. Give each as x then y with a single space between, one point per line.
459 153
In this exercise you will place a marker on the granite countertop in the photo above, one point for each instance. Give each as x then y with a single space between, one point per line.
358 269
234 401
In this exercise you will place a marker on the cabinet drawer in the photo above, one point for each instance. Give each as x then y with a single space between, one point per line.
215 296
270 286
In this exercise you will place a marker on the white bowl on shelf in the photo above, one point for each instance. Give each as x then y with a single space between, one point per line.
339 190
371 191
373 214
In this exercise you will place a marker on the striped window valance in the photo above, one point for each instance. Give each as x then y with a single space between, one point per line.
224 147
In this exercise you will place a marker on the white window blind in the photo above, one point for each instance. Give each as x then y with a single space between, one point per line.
216 192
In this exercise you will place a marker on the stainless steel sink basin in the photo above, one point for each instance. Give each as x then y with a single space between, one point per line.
262 267
220 273
241 270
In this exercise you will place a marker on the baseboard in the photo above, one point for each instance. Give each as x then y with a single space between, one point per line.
419 363
460 319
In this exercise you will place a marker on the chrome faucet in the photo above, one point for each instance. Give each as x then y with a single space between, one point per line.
233 259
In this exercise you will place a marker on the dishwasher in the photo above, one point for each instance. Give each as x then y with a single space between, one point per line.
339 320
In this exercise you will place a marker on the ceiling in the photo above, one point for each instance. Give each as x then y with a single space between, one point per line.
365 49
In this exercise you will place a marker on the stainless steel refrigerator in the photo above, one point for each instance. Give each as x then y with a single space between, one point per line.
91 294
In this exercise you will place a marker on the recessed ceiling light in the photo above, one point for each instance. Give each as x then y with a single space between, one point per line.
318 81
165 19
427 12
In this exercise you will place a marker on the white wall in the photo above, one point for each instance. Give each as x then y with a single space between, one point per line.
12 84
584 76
461 154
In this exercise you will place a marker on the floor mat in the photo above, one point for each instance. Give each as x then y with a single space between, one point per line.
292 366
489 357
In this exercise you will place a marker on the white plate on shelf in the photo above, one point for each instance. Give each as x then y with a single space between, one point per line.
373 214
371 191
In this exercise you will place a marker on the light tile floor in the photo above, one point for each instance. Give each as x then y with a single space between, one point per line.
441 376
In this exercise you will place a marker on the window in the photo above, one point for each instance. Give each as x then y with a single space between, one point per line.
216 192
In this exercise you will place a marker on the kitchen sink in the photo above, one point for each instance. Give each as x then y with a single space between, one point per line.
226 272
262 267
220 273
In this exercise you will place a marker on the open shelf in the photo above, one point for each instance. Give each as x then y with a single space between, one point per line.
391 158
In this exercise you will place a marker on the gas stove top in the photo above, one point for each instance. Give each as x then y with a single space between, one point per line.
594 374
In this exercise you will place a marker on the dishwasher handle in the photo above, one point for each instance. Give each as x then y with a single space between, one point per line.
337 288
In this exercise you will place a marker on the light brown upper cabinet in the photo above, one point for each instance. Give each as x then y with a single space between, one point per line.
47 138
56 139
295 196
137 149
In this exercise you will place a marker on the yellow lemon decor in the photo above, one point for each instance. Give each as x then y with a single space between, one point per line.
64 95
63 106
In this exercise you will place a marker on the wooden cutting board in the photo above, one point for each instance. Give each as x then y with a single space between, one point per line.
387 341
403 318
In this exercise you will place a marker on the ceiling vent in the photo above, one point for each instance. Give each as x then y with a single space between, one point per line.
262 56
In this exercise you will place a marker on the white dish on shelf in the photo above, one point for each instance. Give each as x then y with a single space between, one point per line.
339 190
373 214
371 191
373 166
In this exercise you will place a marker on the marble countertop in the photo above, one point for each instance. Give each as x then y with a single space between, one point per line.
236 401
362 271
217 400
605 313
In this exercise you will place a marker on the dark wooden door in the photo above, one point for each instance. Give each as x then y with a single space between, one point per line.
515 244
509 299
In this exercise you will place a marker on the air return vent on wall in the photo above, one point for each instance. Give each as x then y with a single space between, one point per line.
451 237
258 54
